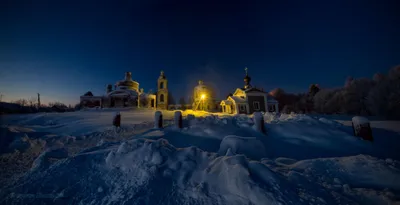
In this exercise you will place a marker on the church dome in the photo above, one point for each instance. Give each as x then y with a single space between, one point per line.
128 83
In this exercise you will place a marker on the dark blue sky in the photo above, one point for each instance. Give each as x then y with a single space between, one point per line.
64 48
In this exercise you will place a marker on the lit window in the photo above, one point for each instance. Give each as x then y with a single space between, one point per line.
256 105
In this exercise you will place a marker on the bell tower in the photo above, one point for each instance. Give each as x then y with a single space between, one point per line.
162 91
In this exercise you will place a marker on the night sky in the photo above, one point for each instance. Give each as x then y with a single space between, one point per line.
63 49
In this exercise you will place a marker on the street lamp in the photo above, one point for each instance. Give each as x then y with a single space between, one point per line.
203 96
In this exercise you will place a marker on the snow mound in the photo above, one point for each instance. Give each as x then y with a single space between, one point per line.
152 172
249 146
212 160
18 138
45 158
199 177
330 122
270 117
356 171
361 179
23 143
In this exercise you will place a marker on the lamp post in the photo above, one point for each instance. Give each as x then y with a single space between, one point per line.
203 96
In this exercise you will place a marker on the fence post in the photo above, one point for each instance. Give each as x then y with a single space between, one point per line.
178 119
158 119
258 119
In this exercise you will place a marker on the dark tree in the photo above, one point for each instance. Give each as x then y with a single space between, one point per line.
348 81
171 99
182 102
314 89
277 92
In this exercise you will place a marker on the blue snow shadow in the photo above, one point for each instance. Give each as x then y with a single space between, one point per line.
292 139
207 139
336 143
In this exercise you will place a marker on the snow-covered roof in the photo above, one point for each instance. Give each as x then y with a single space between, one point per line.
252 90
147 95
120 94
127 83
226 102
237 99
123 93
90 97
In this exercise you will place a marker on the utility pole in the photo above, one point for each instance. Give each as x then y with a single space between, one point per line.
1 97
38 99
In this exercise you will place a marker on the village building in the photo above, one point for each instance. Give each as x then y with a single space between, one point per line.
204 98
248 100
127 93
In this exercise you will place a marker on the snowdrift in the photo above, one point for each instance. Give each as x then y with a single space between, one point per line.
357 179
144 171
80 159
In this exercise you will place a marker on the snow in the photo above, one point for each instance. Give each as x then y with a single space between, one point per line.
78 158
238 99
249 146
357 120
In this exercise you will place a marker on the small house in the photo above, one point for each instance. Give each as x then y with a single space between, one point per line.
248 100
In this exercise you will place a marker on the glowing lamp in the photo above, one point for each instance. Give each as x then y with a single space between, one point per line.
203 96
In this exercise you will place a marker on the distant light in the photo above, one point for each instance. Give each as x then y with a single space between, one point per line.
203 96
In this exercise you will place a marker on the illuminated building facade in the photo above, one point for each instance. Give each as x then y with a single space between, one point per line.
126 93
248 100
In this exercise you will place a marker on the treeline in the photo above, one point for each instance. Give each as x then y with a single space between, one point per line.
23 106
379 96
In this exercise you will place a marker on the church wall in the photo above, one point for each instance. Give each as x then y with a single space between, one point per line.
261 103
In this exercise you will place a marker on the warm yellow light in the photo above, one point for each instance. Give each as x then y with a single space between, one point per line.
203 96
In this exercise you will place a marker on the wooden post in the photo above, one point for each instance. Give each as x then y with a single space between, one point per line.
258 119
158 119
178 119
362 128
117 120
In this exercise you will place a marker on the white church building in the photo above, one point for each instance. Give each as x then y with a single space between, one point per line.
126 93
248 100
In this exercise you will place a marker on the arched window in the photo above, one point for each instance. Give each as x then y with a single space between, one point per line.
162 98
161 85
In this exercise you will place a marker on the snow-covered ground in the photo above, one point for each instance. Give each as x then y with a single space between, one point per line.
78 158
